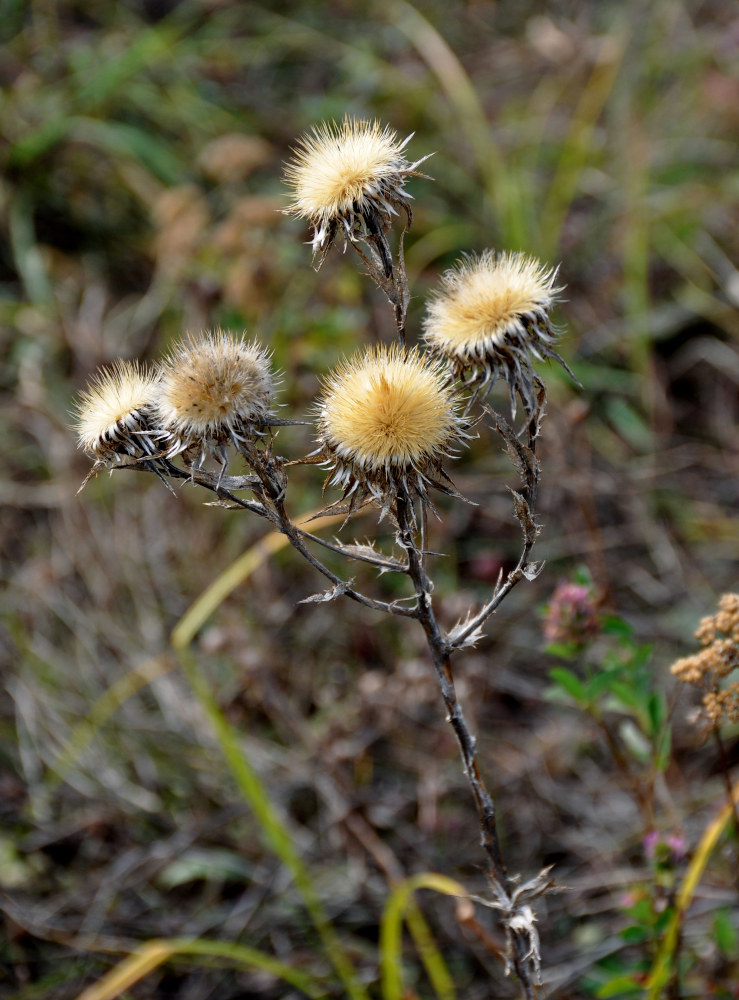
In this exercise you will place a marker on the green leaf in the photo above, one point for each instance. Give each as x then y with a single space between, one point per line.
602 682
663 750
619 986
635 741
614 625
570 683
564 650
656 712
635 934
626 694
641 656
206 864
641 911
725 934
663 920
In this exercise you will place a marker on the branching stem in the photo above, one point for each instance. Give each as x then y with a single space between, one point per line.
484 802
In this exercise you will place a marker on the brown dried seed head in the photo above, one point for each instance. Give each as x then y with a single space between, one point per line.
214 387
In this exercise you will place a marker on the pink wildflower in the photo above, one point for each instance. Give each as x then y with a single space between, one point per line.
571 616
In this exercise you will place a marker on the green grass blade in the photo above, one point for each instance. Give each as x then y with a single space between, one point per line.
26 253
103 709
240 570
398 907
275 834
102 79
577 147
500 183
121 139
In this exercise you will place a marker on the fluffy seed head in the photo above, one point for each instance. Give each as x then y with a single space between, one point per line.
386 419
348 174
490 315
114 410
214 388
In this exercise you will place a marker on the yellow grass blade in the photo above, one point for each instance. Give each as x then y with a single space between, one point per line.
391 933
104 707
241 569
139 964
665 957
152 954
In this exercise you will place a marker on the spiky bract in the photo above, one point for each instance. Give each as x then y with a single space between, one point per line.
113 414
491 315
387 417
214 388
349 175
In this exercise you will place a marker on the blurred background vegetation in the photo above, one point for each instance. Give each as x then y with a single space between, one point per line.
141 152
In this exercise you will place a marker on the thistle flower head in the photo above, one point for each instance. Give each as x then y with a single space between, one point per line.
387 417
490 316
113 414
214 388
349 175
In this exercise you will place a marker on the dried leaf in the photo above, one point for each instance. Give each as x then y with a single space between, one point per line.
529 527
368 553
532 570
327 595
453 635
520 454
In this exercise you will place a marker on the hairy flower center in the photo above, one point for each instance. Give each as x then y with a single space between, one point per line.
398 416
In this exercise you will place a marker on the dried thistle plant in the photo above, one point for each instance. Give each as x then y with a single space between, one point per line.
387 422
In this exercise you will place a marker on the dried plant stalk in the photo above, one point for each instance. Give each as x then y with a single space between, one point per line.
388 421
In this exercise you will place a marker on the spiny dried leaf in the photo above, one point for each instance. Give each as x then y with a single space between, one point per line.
368 553
230 483
523 514
520 455
327 595
454 635
345 507
535 886
532 570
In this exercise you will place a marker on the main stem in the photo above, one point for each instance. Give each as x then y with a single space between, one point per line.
484 802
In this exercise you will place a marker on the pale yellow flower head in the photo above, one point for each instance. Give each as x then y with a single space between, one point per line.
113 414
491 315
349 175
214 388
387 417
